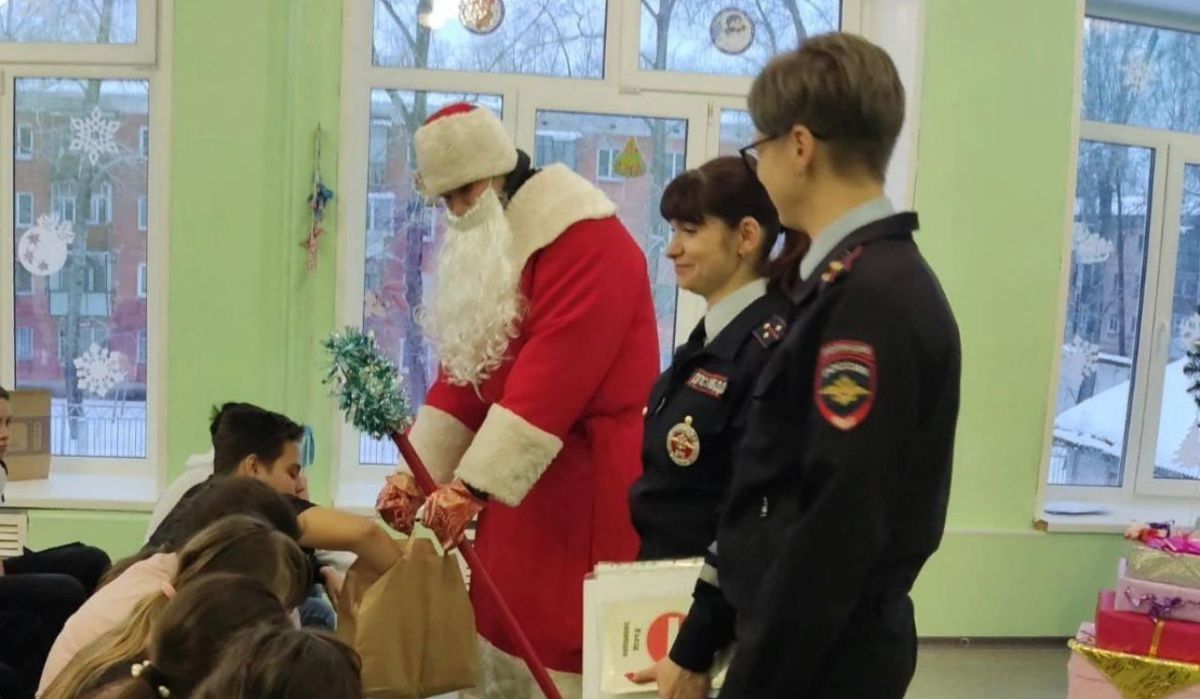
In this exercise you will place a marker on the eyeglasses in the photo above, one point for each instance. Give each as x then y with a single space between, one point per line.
750 154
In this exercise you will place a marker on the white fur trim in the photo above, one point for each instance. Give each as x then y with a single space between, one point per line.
548 204
463 148
439 439
508 456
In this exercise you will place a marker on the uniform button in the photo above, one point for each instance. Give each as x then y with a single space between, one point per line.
645 410
766 508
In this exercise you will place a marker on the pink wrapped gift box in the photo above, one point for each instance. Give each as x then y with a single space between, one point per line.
1156 599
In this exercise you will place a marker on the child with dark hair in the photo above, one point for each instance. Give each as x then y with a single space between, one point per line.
39 590
268 663
250 442
197 469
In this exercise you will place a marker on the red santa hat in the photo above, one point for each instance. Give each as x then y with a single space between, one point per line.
461 144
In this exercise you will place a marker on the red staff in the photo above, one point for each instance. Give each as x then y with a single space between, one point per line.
372 397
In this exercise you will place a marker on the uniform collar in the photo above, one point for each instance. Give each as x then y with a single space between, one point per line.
724 311
829 239
899 225
741 327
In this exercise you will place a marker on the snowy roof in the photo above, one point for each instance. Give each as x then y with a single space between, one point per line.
1099 421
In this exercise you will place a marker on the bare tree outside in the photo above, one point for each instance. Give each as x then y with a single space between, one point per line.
1142 76
83 326
69 21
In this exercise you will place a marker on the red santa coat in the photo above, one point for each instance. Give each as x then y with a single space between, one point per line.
554 434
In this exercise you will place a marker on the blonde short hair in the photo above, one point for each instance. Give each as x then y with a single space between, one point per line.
844 89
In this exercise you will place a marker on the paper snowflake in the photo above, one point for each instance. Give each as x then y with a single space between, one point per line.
1093 249
1138 74
1078 362
94 135
1088 351
99 370
1188 451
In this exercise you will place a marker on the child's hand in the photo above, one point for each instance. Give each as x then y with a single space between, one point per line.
333 582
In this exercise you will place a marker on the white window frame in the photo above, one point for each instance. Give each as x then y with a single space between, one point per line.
897 25
611 175
142 52
143 289
377 197
678 163
101 196
60 201
21 152
24 344
143 347
143 213
144 142
25 222
85 482
632 74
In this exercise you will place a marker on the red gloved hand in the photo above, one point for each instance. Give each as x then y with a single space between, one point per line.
448 511
399 501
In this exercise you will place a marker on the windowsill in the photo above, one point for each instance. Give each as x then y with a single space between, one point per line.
80 491
1118 516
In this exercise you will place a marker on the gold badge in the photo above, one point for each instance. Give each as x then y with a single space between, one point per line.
683 443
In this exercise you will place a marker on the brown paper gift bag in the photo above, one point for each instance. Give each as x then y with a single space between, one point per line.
413 626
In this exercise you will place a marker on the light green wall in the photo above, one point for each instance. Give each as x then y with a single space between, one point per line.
992 171
244 316
996 121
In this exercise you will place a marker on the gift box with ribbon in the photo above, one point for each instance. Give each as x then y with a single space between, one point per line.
1169 567
1140 634
1156 600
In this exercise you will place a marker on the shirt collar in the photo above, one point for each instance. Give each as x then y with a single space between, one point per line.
724 311
854 219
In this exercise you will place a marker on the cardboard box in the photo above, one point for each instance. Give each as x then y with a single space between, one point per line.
29 445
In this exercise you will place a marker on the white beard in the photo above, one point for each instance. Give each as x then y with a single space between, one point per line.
476 300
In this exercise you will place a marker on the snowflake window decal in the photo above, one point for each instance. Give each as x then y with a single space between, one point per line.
94 135
99 370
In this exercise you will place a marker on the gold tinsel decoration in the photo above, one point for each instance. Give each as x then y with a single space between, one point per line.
1139 677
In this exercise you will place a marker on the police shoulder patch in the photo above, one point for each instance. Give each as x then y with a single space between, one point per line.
770 331
845 383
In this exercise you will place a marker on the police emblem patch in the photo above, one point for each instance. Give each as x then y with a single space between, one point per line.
845 383
683 443
708 383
